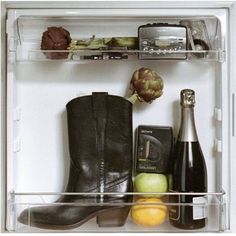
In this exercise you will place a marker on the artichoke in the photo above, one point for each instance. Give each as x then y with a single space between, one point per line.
146 85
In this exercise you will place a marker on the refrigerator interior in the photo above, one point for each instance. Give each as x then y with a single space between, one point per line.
38 90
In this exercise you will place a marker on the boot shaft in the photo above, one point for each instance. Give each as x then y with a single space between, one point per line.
100 143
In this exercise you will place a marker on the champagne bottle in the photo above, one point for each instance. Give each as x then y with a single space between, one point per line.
189 172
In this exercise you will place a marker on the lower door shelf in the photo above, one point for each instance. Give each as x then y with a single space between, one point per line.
113 212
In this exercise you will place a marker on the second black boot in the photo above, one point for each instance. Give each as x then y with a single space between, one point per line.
100 145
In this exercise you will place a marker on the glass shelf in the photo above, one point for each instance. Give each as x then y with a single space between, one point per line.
25 44
214 205
88 56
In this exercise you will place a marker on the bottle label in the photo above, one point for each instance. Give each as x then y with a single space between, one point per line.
174 211
199 212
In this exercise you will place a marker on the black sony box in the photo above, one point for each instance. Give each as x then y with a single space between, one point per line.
154 149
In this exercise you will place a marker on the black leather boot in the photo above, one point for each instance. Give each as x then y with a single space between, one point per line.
100 144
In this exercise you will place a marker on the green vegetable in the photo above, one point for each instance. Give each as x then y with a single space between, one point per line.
92 43
128 42
104 43
146 85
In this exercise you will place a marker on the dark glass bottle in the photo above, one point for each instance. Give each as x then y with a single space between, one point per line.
189 173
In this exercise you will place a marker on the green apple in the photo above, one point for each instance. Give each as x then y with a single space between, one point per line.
148 182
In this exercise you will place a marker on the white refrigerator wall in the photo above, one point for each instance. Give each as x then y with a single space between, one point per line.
42 131
37 92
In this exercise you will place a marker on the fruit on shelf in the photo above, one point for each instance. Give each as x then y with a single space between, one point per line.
146 85
151 183
55 38
148 212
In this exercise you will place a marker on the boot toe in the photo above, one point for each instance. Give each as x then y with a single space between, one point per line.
37 216
56 217
23 217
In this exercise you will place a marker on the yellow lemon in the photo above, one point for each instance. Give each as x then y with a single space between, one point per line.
149 214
